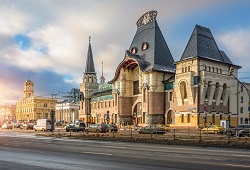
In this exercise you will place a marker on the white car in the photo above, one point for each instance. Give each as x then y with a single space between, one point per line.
7 126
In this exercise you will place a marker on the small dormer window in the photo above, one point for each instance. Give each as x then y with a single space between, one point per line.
144 46
133 50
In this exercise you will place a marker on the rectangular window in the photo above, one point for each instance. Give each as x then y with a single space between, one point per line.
182 118
136 87
196 80
169 86
241 99
188 118
241 88
241 109
213 118
241 120
170 96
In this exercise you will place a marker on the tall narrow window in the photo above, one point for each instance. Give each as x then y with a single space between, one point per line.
182 118
241 99
136 87
183 90
144 95
216 92
241 109
170 96
241 88
188 118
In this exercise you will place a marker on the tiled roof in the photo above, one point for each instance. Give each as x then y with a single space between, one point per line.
90 67
157 56
202 44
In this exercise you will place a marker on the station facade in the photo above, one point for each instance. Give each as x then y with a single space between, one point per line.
149 87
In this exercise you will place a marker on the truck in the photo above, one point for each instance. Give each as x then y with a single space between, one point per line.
43 125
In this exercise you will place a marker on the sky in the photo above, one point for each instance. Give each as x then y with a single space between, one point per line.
46 41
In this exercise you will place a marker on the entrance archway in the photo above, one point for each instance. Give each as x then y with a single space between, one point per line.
137 114
170 117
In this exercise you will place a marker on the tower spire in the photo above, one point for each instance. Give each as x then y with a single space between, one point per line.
102 78
90 67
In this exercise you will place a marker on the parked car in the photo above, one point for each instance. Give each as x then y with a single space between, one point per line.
213 129
97 128
167 128
81 126
71 127
27 126
244 132
7 126
152 129
17 125
235 130
112 128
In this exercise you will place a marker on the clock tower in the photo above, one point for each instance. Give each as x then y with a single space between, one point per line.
28 89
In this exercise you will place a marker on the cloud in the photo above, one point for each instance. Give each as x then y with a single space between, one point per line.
58 36
236 43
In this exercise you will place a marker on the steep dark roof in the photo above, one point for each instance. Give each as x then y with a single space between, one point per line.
90 67
202 44
157 56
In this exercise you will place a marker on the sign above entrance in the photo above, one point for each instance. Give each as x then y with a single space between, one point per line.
192 108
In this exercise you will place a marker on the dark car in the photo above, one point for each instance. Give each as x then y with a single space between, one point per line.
244 132
81 126
27 126
97 128
71 127
112 128
235 130
152 129
17 125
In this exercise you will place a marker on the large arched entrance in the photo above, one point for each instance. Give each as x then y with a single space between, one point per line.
137 114
170 117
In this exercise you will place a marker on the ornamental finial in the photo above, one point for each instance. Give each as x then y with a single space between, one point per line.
146 18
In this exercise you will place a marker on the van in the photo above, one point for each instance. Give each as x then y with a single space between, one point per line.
43 125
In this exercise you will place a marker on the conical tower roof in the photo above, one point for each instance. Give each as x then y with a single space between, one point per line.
90 67
149 47
202 44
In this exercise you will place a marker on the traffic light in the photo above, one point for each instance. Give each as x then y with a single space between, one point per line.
231 70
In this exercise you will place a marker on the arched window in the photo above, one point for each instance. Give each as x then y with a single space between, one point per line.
183 70
217 89
208 89
189 68
183 89
224 92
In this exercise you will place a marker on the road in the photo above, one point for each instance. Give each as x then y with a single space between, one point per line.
26 151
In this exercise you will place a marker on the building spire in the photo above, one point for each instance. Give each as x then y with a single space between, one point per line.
102 78
90 67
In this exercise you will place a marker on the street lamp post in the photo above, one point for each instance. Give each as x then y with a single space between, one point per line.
205 115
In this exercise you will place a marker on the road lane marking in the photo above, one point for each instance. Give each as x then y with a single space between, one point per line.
10 145
119 147
96 153
241 155
244 166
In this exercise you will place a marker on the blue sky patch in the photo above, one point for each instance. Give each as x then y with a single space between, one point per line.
22 41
